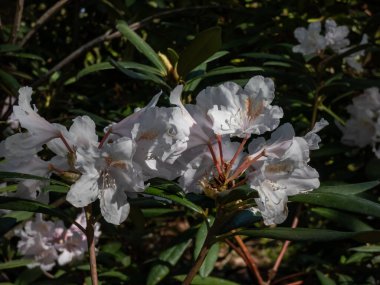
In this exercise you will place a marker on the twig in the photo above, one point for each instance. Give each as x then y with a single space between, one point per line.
251 263
50 12
274 270
91 244
280 280
17 21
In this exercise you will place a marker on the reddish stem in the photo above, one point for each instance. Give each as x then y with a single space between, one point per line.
91 244
215 160
284 248
244 166
105 138
219 140
251 262
239 150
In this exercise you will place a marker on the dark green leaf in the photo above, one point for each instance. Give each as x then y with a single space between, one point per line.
168 257
305 234
14 175
175 198
324 279
9 47
210 260
9 81
198 280
205 44
15 263
345 220
349 203
124 64
141 45
201 235
367 248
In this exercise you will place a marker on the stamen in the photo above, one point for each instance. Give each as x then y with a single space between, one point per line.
244 166
214 159
65 143
105 138
219 140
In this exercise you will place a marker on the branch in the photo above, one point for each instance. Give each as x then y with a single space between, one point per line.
50 12
17 21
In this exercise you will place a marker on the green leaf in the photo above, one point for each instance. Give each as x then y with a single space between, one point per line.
198 280
19 215
306 234
349 203
139 76
201 235
345 220
168 257
175 198
124 64
348 189
244 218
367 248
156 212
14 175
17 204
141 46
9 47
204 45
8 188
15 263
210 260
9 81
114 274
324 279
226 70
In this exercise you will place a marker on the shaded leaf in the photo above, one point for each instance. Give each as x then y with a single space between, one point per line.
349 203
198 280
175 198
15 263
324 279
204 45
141 45
210 260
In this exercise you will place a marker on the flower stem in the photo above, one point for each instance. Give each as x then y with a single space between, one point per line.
91 243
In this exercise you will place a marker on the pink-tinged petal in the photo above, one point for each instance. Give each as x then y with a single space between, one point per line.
114 205
84 191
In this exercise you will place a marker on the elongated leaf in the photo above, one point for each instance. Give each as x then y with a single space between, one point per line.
141 46
367 248
198 280
9 81
17 204
324 279
348 189
204 45
139 76
124 64
210 260
349 203
9 47
306 234
168 257
175 198
8 188
17 176
244 218
348 221
201 235
15 263
229 70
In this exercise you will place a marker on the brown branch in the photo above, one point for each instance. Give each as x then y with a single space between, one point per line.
251 263
17 21
91 243
50 12
110 36
274 270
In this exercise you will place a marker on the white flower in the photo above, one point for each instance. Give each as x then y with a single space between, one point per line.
284 172
73 244
360 129
336 36
312 138
37 242
311 41
29 188
108 174
241 112
39 130
161 135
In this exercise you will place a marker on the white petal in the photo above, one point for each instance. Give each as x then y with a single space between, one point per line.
114 205
84 191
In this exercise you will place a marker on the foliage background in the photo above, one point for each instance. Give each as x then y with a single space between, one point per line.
257 38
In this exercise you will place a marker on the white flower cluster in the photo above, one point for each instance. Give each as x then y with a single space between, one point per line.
190 143
49 242
312 42
363 127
